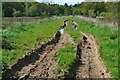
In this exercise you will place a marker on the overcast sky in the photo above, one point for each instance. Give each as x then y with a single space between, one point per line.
62 2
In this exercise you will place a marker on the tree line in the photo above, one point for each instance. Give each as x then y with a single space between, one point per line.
108 10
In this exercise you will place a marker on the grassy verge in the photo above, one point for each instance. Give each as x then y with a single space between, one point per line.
19 38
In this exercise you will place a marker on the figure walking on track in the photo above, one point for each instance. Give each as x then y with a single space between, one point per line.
62 27
76 25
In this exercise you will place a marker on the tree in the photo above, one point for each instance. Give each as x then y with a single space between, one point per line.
66 5
17 13
27 9
61 10
7 9
76 11
91 13
34 11
67 11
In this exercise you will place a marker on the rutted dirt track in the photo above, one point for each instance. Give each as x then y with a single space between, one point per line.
92 65
44 64
41 63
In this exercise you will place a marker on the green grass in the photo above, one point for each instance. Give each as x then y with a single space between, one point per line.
19 38
65 57
107 38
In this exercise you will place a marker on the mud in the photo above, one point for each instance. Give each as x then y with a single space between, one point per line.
88 63
41 62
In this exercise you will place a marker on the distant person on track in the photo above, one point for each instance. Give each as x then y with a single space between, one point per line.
62 27
76 25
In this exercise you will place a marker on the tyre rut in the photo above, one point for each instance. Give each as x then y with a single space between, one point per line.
44 61
88 63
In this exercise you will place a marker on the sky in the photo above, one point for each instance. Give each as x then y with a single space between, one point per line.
62 2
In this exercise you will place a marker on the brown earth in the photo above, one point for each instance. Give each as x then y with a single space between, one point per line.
92 65
88 63
41 63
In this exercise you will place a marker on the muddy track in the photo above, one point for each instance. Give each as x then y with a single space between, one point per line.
88 63
39 63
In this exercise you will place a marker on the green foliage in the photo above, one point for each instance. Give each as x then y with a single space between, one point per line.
34 10
91 9
76 11
27 5
112 6
8 8
113 17
17 13
104 14
67 11
91 13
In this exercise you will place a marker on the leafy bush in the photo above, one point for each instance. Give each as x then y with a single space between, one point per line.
17 13
112 17
91 13
76 11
